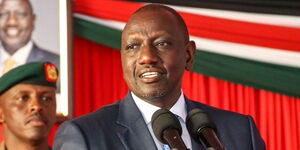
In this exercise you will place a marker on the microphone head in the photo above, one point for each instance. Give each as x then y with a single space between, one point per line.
197 120
162 120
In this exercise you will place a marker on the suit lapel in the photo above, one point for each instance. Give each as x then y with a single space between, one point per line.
34 54
134 133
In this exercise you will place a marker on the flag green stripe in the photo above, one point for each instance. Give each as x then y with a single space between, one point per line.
280 79
276 78
98 33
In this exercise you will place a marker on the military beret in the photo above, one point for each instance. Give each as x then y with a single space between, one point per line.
38 73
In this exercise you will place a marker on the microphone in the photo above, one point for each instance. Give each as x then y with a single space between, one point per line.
167 129
203 129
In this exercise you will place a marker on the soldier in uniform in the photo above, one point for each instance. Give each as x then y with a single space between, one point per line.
28 106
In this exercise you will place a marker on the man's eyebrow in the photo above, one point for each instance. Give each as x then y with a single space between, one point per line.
48 91
18 92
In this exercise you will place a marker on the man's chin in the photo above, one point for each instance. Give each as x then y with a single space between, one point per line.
37 133
152 95
37 137
13 44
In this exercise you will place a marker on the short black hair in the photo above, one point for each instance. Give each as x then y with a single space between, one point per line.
157 7
28 2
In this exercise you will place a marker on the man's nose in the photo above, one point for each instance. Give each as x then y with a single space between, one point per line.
148 55
12 19
35 105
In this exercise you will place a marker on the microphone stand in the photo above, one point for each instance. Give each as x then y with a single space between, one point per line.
176 143
210 140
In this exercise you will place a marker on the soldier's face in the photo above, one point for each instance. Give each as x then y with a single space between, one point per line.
28 111
16 23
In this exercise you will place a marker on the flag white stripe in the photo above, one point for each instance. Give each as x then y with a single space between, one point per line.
270 19
262 18
109 23
256 53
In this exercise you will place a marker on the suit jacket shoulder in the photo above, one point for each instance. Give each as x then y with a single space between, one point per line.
236 131
87 132
39 54
118 126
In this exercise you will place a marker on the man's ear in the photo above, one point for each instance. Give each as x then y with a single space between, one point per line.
1 116
190 54
33 21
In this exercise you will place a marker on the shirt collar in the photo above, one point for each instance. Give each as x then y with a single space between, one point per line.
3 55
19 56
148 109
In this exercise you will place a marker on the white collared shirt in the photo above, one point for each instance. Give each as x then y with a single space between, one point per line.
20 56
179 109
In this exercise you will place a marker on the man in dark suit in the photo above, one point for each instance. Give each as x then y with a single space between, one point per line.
17 22
155 52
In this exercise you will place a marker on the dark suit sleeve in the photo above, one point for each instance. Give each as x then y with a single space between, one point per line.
257 141
69 137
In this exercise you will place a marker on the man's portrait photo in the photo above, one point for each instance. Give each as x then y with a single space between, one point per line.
19 44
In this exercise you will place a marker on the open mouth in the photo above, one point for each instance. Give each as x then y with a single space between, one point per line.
149 74
150 77
12 32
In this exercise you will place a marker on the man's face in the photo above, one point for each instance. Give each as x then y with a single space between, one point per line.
154 55
16 23
28 111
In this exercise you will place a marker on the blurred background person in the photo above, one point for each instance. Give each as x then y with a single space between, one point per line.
17 22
